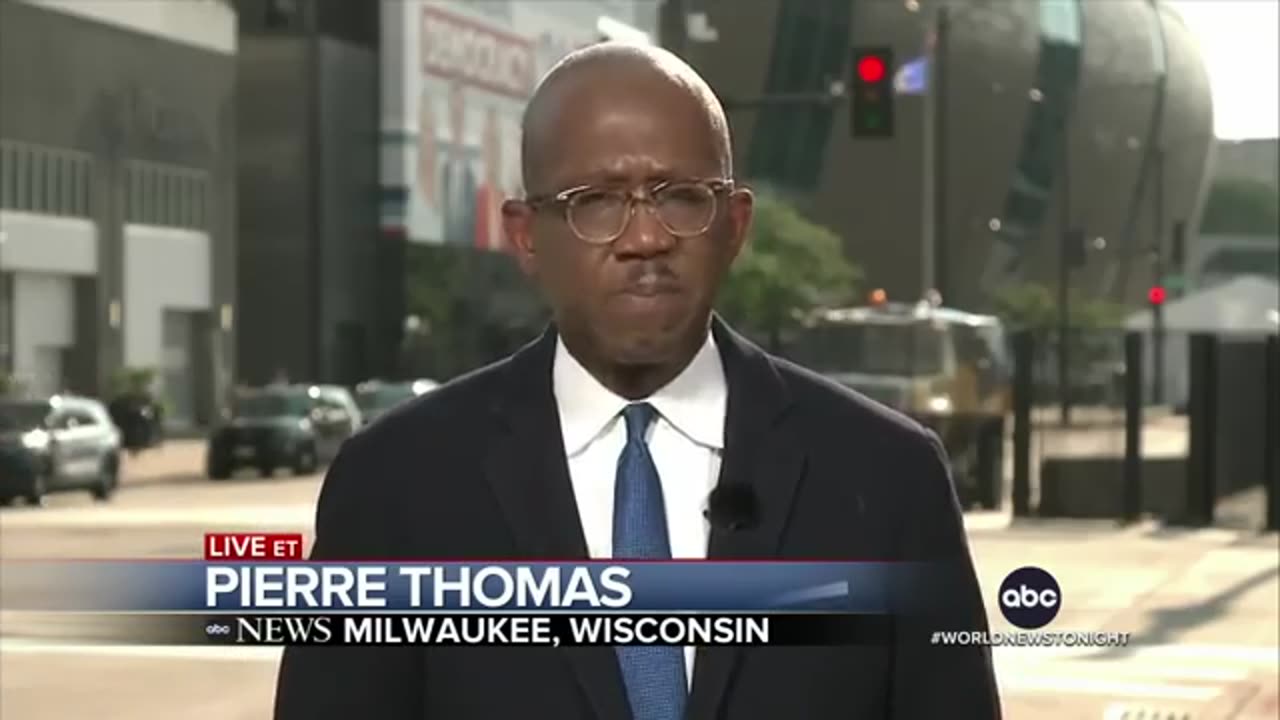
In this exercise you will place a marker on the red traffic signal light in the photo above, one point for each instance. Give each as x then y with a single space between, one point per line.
871 69
1156 295
871 96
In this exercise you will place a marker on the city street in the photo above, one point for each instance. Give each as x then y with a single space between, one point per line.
1201 607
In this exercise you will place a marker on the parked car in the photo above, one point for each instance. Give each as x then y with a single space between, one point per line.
375 397
62 442
296 426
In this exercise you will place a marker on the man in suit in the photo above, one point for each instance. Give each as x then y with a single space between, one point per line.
605 437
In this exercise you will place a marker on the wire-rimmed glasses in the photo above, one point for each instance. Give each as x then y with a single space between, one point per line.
599 215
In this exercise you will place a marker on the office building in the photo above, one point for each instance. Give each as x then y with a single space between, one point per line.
1053 129
117 233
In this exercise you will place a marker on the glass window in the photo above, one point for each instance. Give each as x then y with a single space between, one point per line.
1057 76
21 190
135 193
198 210
193 190
84 176
7 162
69 185
21 416
1157 40
172 198
183 201
272 404
382 397
810 51
35 180
160 209
153 199
1060 21
144 199
892 349
55 200
82 417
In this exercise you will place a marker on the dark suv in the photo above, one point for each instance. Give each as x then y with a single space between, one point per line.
296 426
61 442
376 397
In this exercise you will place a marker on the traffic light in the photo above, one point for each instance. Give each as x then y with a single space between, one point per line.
871 109
1156 295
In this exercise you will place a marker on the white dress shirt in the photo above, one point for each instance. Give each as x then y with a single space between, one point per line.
685 440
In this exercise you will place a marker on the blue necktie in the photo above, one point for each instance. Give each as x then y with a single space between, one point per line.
654 676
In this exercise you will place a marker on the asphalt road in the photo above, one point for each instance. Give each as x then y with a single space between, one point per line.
1202 608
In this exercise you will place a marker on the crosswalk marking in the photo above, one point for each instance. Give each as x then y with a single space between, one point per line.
292 516
1067 684
166 652
1171 673
1260 655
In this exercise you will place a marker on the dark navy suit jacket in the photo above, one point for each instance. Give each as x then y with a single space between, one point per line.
476 469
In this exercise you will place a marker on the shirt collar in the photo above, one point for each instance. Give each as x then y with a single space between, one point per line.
694 403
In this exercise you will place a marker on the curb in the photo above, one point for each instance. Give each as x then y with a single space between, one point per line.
185 478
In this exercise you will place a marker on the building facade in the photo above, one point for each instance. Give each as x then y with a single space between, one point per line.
312 279
1257 159
117 233
1057 119
336 179
455 80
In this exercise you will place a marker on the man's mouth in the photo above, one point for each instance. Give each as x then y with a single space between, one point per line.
651 286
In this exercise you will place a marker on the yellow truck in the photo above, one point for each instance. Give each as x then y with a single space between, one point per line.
946 368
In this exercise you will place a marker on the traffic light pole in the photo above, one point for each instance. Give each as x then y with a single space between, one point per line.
1157 309
938 107
1064 284
928 176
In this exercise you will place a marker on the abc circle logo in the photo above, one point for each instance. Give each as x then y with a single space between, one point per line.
217 629
1030 598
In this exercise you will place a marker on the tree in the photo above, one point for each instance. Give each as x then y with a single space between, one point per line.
8 384
469 308
1032 306
789 266
1241 207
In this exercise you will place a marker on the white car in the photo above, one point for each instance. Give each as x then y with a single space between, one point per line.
58 443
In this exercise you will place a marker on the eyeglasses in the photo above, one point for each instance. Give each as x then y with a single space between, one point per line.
600 215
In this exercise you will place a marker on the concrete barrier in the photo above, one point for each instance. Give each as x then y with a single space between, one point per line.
1093 487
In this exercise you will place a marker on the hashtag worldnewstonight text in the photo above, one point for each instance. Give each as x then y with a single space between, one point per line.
996 638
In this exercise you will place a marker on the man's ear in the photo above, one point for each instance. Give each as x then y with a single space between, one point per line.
517 225
741 204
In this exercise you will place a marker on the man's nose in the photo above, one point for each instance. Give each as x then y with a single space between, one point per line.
644 235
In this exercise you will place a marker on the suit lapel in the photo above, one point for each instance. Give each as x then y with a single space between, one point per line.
526 467
760 452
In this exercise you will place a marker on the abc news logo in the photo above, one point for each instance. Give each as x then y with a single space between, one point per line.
219 631
1030 598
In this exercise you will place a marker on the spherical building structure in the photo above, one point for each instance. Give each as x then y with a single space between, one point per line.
1056 133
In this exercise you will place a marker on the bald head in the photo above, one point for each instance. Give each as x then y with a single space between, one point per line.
604 74
610 129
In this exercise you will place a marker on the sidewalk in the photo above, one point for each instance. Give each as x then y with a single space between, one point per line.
175 461
1184 595
1164 585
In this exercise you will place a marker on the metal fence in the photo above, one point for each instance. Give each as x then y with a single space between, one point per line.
1180 427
